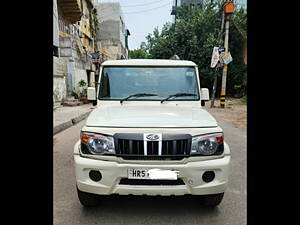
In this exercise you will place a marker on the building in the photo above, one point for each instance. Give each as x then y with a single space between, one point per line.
241 4
72 57
191 4
55 30
59 66
112 35
88 31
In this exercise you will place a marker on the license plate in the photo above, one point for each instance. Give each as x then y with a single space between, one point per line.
152 174
138 174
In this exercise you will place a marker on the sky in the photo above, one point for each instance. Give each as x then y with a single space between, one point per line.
142 16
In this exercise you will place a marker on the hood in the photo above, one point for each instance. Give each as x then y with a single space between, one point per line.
150 116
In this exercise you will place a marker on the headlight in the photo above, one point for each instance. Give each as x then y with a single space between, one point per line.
209 144
97 144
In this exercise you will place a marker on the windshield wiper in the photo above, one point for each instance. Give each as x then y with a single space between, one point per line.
177 95
136 95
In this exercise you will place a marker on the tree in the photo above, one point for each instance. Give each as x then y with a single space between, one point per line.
140 53
193 37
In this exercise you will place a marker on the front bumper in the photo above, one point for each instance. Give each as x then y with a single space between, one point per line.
190 173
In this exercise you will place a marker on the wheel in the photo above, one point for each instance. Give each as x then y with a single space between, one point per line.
212 200
87 199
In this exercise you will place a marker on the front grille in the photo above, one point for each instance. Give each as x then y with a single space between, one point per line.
147 157
173 147
126 181
177 147
152 147
130 147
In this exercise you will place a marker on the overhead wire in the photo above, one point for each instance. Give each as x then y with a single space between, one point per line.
122 6
149 3
126 13
142 11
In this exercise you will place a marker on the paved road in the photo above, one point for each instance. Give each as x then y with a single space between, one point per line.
148 210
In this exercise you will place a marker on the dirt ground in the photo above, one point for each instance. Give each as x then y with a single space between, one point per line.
235 111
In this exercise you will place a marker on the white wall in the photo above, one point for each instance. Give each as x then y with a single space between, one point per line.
79 75
92 79
59 89
55 25
59 80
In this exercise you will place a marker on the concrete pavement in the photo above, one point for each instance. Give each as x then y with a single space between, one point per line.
66 116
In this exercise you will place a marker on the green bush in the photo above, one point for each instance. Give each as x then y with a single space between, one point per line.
82 83
75 95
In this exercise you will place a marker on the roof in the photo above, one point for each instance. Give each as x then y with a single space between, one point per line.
148 62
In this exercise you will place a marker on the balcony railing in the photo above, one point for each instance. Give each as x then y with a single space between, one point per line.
70 29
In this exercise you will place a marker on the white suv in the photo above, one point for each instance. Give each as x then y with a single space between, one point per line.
150 135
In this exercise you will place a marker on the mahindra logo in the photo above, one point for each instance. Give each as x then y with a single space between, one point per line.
152 137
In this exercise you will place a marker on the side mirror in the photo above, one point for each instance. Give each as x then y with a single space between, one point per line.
204 96
91 93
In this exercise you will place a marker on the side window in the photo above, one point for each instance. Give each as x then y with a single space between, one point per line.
104 86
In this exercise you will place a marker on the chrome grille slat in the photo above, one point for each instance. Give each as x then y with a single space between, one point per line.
145 147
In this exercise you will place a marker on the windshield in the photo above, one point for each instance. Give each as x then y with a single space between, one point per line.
120 82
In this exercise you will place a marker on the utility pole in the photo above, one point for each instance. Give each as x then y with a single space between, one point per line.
228 9
225 68
175 10
217 68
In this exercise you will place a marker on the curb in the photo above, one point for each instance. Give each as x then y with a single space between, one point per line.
60 127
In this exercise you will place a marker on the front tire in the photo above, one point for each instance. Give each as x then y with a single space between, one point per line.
87 199
212 200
